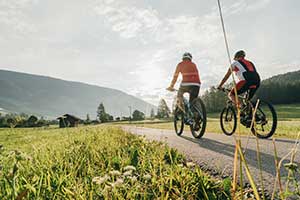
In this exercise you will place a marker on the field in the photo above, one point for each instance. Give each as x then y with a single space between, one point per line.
97 162
288 122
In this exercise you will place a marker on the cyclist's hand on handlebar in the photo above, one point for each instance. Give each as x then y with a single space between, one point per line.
220 88
171 89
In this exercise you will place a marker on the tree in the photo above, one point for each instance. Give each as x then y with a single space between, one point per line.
214 100
138 115
32 121
163 110
11 122
110 117
88 120
101 114
152 114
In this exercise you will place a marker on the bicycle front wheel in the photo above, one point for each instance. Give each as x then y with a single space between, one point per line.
265 120
199 125
178 121
228 121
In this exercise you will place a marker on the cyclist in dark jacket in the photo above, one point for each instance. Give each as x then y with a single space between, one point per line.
245 71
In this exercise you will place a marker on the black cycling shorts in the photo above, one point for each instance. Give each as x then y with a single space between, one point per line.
193 90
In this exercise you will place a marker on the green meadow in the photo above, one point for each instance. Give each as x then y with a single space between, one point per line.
288 122
97 162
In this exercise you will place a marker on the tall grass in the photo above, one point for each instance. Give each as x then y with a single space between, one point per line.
98 163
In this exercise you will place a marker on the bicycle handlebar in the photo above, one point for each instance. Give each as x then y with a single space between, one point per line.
174 90
224 90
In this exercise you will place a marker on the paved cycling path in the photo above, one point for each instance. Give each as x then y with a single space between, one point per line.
215 152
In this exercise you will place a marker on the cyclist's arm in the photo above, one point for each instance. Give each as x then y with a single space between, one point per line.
227 75
175 76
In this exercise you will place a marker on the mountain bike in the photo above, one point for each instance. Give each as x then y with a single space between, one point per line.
265 116
193 115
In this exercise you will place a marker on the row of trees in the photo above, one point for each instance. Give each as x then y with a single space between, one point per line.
163 111
281 89
280 93
214 100
22 121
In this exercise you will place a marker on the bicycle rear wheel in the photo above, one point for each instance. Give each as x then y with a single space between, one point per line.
199 125
265 120
178 121
228 121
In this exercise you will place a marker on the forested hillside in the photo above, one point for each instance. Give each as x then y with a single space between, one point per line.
280 89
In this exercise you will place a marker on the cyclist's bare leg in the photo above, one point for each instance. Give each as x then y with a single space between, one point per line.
231 96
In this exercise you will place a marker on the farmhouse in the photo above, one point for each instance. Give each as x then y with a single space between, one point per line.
68 120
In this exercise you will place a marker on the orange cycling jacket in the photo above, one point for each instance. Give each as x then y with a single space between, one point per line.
190 74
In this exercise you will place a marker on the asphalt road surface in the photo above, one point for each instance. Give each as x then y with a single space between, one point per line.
215 152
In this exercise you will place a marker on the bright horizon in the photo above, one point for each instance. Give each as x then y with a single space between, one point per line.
134 46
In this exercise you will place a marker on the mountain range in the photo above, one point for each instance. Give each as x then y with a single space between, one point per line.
51 97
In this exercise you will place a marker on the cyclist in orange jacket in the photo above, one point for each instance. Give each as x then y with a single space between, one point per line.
190 79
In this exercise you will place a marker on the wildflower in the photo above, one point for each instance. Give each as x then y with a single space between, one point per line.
99 180
180 165
115 173
106 188
129 167
133 179
190 164
127 173
147 177
118 183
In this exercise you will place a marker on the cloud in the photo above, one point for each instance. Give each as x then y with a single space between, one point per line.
128 21
13 18
135 45
242 6
146 24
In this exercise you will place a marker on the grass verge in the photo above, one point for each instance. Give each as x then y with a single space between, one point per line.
97 162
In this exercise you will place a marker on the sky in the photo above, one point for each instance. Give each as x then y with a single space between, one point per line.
135 45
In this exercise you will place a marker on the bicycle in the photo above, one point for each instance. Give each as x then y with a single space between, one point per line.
194 115
265 117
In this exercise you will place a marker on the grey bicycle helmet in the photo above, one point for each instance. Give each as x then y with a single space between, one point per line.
187 55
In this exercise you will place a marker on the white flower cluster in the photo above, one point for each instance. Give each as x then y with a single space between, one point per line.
128 174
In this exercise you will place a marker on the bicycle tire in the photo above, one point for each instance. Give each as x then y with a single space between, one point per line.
178 118
226 111
274 119
199 106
